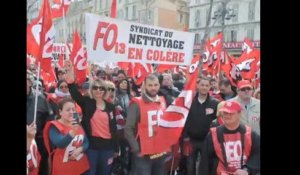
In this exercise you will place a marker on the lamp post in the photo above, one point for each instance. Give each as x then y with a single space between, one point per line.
224 13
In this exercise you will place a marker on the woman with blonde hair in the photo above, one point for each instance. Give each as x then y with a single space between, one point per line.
98 121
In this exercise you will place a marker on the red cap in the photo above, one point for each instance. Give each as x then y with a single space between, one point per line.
244 83
231 107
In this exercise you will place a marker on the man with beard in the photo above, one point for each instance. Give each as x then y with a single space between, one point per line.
141 129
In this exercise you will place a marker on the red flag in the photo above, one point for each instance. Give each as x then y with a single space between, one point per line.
79 59
247 64
124 65
247 46
113 10
162 67
173 119
141 70
59 6
212 54
229 68
49 79
46 39
33 36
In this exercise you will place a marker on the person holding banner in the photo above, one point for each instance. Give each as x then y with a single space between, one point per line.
141 130
232 148
98 121
43 114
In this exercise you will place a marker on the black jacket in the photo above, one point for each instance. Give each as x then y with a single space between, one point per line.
200 118
209 160
88 106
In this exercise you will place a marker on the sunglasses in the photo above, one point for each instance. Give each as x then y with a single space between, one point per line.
246 88
63 87
111 89
101 88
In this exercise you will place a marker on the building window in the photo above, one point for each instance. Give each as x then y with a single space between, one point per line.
120 14
106 4
251 11
250 34
197 18
235 8
233 36
197 38
150 14
133 12
126 13
180 16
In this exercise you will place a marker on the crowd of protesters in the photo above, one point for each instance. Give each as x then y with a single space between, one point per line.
107 137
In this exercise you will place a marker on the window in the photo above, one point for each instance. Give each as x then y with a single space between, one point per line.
251 11
99 5
150 14
235 8
120 14
197 18
133 12
233 36
106 4
250 34
126 13
197 38
180 18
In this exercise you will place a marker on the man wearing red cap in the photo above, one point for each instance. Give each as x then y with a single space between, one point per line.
250 105
232 148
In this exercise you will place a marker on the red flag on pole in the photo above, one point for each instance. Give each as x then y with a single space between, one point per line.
46 39
173 119
79 59
58 7
113 10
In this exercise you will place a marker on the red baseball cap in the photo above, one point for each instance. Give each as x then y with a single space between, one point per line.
231 107
244 83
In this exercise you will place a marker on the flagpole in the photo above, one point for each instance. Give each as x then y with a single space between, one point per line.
64 29
36 92
172 164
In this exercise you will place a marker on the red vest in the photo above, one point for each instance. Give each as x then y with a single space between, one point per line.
33 159
147 127
60 162
233 147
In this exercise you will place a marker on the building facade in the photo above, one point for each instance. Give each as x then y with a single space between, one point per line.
171 14
241 19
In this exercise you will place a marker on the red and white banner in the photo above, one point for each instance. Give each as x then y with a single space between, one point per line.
174 118
60 48
114 40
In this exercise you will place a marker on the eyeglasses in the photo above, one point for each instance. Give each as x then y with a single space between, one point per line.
111 89
63 87
246 88
101 88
